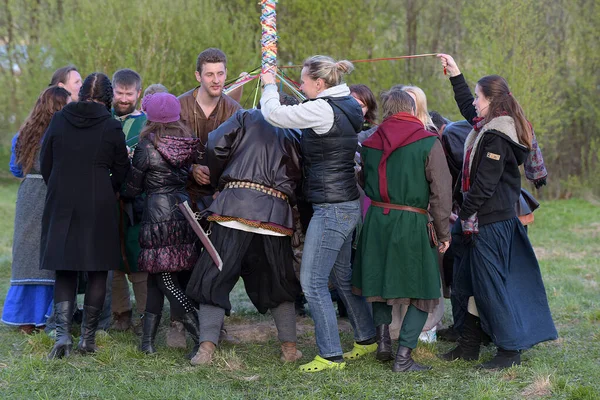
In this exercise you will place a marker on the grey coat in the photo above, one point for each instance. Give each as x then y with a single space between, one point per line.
28 230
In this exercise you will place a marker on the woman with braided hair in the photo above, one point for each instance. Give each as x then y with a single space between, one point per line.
29 297
83 162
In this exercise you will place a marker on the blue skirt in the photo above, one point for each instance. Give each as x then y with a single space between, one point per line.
502 273
28 305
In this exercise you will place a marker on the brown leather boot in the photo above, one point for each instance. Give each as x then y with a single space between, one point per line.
176 336
384 343
289 352
405 363
204 355
121 321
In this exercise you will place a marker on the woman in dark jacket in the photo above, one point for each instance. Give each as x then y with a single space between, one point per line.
497 279
160 169
84 162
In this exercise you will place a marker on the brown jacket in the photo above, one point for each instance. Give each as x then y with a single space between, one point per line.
193 116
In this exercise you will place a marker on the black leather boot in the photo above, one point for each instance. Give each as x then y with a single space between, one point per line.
192 325
503 359
150 324
468 343
89 326
405 363
384 343
63 314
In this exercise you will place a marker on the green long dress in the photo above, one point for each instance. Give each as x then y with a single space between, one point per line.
394 258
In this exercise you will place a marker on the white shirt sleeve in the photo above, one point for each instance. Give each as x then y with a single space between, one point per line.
316 114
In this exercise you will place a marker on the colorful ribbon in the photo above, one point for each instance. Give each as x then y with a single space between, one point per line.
268 41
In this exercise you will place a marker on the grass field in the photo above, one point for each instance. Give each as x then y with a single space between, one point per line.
566 236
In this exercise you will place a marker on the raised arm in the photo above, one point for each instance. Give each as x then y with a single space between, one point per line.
462 93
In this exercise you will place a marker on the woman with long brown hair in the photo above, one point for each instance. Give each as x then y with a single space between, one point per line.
161 163
497 281
29 297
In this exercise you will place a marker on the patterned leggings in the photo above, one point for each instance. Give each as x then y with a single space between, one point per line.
167 284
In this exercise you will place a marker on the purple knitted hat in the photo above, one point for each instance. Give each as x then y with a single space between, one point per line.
161 107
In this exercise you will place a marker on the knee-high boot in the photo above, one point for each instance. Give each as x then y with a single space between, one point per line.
150 324
192 325
89 326
63 314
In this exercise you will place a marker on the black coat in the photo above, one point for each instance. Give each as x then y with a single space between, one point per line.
247 148
83 161
167 240
495 176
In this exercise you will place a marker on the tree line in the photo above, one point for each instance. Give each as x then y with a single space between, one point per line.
546 49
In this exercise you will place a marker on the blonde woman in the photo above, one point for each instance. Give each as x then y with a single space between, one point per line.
420 100
330 122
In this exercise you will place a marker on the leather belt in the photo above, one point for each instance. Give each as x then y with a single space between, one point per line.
399 207
258 187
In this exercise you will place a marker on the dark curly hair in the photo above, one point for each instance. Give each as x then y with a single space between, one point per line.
51 100
97 87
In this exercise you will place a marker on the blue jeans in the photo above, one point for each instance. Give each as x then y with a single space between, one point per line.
326 254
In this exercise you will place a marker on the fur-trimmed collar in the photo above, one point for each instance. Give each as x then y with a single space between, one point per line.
503 124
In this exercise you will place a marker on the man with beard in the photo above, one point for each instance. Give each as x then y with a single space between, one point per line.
127 87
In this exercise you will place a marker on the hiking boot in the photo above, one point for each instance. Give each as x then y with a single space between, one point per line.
176 336
204 355
289 352
405 363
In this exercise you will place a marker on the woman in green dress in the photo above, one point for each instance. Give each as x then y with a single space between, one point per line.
406 177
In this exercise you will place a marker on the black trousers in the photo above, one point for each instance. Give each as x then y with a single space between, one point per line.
264 262
171 285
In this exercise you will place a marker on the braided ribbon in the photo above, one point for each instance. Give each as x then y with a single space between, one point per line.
268 41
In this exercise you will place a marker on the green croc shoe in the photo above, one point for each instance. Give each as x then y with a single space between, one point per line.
321 364
360 350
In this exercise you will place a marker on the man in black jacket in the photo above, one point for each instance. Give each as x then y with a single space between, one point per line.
256 168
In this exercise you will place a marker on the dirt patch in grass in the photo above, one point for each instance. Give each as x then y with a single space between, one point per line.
592 230
541 387
262 331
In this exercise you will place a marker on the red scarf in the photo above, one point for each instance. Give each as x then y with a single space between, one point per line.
396 131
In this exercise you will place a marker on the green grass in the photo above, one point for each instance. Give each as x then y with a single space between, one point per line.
566 236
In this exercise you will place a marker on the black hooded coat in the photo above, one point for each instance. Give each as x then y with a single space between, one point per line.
84 162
